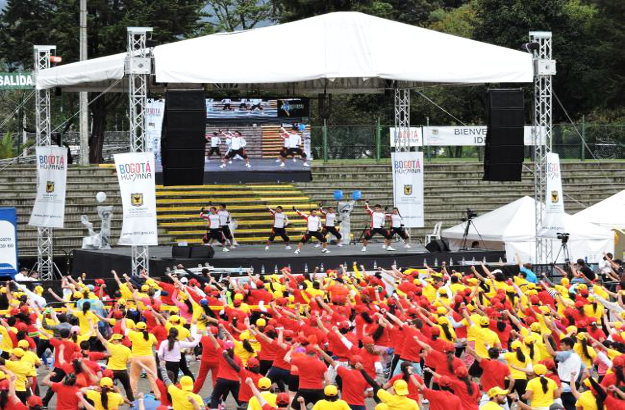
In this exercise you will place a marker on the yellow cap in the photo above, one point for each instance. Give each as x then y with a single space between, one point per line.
496 391
117 336
382 406
245 335
571 329
535 327
186 383
330 390
484 321
442 320
18 352
540 369
264 383
441 310
77 295
2 375
107 382
23 344
516 345
401 387
3 290
145 288
141 326
174 318
238 296
38 289
261 322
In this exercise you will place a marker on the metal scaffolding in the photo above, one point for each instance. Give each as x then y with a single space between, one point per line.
45 247
544 69
138 68
402 120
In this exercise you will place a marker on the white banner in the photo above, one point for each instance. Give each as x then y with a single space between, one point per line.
414 135
408 187
136 176
468 136
49 208
553 220
154 113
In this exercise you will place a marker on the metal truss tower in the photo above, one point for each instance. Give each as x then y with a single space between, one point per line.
402 120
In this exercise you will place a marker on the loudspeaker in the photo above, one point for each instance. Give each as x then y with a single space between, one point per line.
182 140
180 252
203 252
438 245
504 152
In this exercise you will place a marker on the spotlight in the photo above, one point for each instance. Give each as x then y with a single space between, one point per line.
530 47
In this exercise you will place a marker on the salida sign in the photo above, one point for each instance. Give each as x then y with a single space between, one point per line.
15 81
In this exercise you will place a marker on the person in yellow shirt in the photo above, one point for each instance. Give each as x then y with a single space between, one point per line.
22 370
519 364
541 391
484 337
264 384
584 350
142 352
182 396
32 358
497 397
118 361
399 400
331 400
107 398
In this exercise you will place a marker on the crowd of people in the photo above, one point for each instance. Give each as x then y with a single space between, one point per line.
340 339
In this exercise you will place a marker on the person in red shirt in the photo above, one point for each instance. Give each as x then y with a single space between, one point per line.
353 384
227 376
312 373
443 399
280 371
66 392
265 335
467 391
209 360
69 348
251 371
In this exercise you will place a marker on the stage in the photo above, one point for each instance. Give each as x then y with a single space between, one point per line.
262 170
99 263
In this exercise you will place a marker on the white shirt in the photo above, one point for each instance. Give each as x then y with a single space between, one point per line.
280 220
377 219
237 143
286 140
215 140
395 221
213 221
226 101
313 223
224 217
330 218
294 140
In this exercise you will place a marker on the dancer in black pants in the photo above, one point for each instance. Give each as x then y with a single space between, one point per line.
59 373
213 231
397 227
313 223
280 222
227 378
328 226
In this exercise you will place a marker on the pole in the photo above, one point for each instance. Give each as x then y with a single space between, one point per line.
427 148
83 97
378 140
583 137
325 141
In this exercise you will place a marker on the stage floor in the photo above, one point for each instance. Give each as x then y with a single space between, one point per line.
101 262
262 170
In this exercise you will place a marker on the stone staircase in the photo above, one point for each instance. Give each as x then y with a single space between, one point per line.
451 188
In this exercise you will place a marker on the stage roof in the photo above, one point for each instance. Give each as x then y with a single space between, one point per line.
331 52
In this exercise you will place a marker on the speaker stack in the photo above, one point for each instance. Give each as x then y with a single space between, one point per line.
503 158
182 140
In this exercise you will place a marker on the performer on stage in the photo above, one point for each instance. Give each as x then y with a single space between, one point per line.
328 226
213 230
295 142
224 223
237 147
226 104
312 229
285 146
397 227
214 141
280 222
257 104
378 218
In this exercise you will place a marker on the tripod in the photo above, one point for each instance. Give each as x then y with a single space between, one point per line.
466 233
564 249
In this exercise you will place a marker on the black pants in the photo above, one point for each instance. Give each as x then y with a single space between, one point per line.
309 395
124 379
265 365
370 233
173 367
23 395
184 367
225 230
281 232
333 231
234 152
297 151
394 362
310 234
280 377
221 390
520 386
215 234
399 231
568 400
214 150
59 374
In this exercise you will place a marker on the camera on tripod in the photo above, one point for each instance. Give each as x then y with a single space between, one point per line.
470 215
563 236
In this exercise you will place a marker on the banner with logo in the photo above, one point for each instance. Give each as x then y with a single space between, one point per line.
414 136
553 219
136 176
15 81
49 208
155 111
8 241
468 136
408 187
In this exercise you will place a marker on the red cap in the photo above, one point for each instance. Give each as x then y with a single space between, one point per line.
579 304
367 340
4 384
14 312
436 331
302 340
288 333
310 349
252 362
107 373
449 347
34 401
355 359
458 298
283 398
99 281
118 314
444 381
548 363
24 309
534 299
461 371
22 327
618 361
344 325
214 330
77 355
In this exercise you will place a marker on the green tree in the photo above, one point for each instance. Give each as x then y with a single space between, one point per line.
24 23
232 15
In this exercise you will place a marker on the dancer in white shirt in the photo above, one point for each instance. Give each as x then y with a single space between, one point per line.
224 222
237 147
280 222
378 219
397 227
213 230
313 227
214 141
329 224
295 142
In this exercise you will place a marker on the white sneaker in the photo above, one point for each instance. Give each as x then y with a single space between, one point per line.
222 166
267 247
317 245
407 246
383 246
288 247
248 165
364 249
390 248
282 165
325 251
339 244
226 250
278 160
296 251
230 162
294 160
306 164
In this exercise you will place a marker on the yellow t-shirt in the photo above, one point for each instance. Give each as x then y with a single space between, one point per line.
587 401
512 360
120 355
255 405
580 351
485 339
491 405
183 332
33 359
114 400
395 402
331 405
22 370
539 397
83 320
180 398
6 343
472 329
140 346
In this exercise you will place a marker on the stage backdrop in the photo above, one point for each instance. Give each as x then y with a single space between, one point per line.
49 208
8 241
408 187
136 175
553 221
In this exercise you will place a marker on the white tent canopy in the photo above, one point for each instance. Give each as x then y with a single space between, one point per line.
511 227
609 213
325 49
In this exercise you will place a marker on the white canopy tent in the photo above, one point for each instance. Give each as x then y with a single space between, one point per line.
314 54
509 228
609 213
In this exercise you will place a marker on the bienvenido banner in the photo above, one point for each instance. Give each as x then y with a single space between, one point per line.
136 176
408 187
553 220
49 208
468 136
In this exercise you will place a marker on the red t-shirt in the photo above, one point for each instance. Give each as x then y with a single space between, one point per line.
68 352
267 350
610 403
225 370
467 401
66 396
354 385
337 347
280 353
245 393
209 353
311 371
413 391
442 400
411 350
495 373
439 360
95 356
